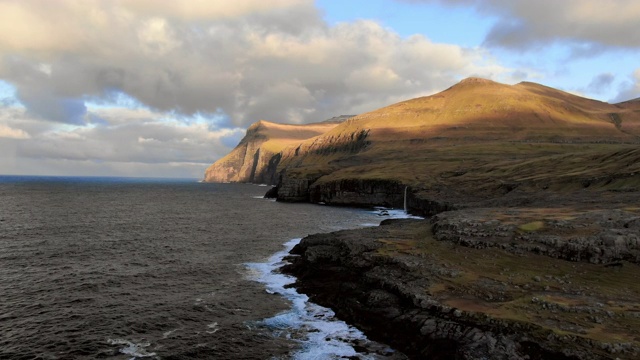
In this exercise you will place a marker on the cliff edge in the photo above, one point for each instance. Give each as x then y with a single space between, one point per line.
471 285
255 158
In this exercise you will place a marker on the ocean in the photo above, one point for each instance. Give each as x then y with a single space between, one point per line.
128 268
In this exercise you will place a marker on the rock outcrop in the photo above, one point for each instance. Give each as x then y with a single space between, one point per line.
433 300
595 236
363 192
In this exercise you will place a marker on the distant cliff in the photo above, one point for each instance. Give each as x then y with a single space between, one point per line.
474 141
255 158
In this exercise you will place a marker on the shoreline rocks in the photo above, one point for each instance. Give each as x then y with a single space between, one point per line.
595 236
421 294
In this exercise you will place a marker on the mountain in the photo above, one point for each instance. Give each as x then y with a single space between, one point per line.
476 140
532 195
249 160
633 104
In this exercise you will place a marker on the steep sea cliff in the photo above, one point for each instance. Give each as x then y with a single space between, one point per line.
531 250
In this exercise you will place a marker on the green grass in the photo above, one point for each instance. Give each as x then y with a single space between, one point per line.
560 283
531 226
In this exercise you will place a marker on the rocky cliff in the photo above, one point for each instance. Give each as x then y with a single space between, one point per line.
435 297
475 141
255 159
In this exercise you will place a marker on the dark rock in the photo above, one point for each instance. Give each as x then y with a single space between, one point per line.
384 296
272 193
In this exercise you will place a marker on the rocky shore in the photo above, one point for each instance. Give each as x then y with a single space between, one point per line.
531 246
486 283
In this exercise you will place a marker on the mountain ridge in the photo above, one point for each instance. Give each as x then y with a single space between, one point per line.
530 248
489 133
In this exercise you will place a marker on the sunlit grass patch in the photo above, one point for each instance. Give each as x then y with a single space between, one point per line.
532 226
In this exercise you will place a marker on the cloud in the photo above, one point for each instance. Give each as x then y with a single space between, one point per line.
630 89
10 133
247 60
589 25
600 83
157 145
142 87
203 9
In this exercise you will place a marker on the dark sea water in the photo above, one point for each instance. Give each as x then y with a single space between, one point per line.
162 269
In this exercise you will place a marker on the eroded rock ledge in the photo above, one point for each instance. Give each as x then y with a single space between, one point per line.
437 297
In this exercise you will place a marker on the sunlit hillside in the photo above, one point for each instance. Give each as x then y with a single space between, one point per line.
477 134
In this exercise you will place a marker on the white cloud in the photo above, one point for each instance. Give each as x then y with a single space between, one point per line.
156 37
10 133
251 61
205 9
231 62
157 145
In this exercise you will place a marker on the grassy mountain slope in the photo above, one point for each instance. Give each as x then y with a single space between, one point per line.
533 195
479 138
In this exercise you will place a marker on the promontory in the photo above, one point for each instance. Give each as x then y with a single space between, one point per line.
531 239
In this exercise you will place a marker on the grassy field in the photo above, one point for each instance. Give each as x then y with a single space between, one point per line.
564 298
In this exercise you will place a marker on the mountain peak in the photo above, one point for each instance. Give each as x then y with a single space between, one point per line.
258 124
474 83
476 80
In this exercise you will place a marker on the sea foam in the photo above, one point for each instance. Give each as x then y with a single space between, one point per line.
137 350
324 337
321 335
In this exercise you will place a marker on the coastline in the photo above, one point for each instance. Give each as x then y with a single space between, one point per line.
534 237
316 328
457 286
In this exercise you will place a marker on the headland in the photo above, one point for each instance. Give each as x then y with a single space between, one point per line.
531 244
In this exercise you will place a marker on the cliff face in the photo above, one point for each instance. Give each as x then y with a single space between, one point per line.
243 162
256 158
475 141
437 297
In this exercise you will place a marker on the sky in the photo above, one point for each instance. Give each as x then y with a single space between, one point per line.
163 88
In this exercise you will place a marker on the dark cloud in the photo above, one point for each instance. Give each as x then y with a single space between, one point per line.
47 106
601 83
589 25
514 33
628 90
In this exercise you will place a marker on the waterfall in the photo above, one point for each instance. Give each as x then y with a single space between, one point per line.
405 199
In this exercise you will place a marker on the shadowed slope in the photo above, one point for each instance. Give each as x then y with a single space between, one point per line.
249 160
